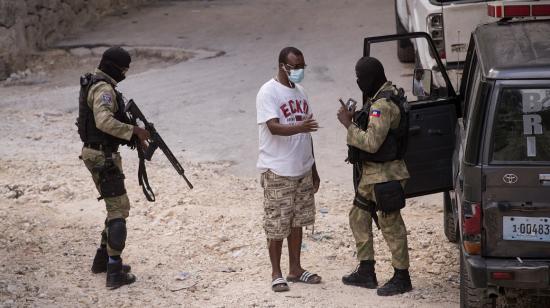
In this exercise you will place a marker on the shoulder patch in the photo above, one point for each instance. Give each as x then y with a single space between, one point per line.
106 99
375 113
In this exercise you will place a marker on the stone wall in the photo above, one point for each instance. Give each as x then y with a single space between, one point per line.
30 25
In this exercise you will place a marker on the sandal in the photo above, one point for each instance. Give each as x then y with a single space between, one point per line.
306 277
279 285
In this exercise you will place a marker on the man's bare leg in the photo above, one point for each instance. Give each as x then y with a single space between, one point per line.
294 250
275 247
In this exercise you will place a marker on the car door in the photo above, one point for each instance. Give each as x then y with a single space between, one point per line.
516 203
432 122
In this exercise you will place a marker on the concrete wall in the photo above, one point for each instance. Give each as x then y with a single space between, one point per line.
30 25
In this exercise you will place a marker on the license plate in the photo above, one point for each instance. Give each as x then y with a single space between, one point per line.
515 228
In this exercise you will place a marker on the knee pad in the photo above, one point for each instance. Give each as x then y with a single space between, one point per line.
116 237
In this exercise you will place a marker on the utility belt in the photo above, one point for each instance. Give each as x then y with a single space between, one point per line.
101 147
111 178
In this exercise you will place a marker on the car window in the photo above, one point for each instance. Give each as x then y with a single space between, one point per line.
433 83
438 88
521 131
473 118
468 73
469 65
472 93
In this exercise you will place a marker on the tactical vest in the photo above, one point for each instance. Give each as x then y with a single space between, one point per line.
395 144
85 122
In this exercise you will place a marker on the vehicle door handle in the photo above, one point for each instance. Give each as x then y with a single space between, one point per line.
544 179
414 130
433 131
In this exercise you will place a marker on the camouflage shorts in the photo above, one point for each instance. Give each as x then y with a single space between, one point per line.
288 203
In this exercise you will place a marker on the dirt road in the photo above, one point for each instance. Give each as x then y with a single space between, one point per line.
196 71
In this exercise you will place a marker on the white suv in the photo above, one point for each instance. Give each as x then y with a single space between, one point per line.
448 22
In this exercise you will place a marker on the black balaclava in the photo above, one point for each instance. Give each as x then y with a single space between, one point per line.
370 75
114 61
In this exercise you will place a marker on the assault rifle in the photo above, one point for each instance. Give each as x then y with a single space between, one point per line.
155 142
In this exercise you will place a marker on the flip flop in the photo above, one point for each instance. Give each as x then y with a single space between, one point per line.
279 285
306 277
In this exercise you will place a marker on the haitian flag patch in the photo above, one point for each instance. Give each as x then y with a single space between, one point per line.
375 113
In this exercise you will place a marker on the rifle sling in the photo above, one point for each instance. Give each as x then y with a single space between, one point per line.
142 178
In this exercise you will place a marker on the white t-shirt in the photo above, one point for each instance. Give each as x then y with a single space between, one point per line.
283 155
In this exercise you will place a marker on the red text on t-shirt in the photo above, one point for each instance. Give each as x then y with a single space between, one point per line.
294 106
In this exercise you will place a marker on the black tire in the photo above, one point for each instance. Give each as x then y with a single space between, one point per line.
405 48
450 223
471 296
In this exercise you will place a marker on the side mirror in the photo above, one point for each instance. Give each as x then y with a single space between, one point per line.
422 82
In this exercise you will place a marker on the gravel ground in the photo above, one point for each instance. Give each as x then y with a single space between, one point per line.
200 247
193 248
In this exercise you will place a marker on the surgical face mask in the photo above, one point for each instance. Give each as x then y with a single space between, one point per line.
296 75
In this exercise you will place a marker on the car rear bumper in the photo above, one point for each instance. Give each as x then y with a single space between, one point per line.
527 274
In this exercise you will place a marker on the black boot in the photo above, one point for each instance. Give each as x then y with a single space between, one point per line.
398 284
363 276
100 262
116 277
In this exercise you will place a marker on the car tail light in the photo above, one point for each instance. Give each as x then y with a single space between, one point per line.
472 219
471 227
434 24
472 247
502 275
501 9
436 20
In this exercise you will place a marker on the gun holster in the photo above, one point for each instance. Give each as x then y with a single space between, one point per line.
366 205
390 196
111 180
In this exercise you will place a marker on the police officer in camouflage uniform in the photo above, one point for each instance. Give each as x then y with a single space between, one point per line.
383 118
103 126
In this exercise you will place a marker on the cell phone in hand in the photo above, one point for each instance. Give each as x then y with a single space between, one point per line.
349 105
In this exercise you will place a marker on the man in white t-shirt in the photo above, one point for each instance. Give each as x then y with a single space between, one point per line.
289 176
418 84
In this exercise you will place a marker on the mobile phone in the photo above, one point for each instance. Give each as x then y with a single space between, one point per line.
350 104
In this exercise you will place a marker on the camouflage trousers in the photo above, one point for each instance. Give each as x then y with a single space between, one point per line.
117 207
392 227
